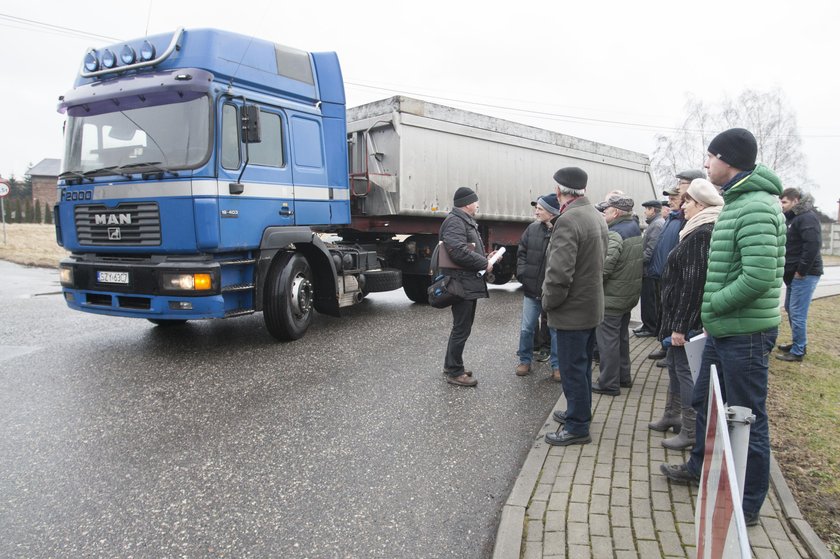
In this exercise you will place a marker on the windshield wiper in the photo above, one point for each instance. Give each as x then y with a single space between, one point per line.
112 170
150 168
73 175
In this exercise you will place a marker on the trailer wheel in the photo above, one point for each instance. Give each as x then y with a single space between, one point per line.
287 303
388 279
415 286
164 322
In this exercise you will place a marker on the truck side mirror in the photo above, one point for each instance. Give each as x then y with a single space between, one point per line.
250 124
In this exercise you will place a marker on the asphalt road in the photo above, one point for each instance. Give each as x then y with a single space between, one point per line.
121 439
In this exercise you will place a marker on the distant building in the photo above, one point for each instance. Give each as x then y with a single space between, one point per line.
44 177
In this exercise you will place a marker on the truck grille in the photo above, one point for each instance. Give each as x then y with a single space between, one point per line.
126 224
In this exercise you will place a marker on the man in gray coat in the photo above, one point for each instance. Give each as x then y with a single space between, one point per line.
650 286
573 298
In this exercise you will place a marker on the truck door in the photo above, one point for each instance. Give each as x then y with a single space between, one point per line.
262 195
312 193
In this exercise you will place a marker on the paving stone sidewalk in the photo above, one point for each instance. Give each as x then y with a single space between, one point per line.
609 499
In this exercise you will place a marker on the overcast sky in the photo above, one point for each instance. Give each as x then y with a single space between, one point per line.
610 71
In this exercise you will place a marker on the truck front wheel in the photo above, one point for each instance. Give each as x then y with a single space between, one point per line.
287 306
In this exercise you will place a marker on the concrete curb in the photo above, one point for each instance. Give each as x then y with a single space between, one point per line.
509 535
816 547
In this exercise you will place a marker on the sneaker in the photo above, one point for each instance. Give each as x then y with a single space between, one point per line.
662 363
540 356
751 518
787 347
564 438
644 333
523 369
679 473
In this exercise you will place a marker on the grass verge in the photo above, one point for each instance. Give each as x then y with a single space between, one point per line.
804 411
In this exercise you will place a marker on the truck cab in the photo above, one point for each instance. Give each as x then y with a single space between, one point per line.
196 165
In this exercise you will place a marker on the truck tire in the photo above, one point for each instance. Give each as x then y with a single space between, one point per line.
287 303
164 322
415 286
388 279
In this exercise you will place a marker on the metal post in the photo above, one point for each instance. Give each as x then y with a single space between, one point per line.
739 420
3 214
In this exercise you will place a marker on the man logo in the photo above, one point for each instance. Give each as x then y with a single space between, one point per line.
114 234
112 219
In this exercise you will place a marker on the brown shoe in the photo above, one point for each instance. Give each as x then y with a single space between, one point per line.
523 369
555 375
463 380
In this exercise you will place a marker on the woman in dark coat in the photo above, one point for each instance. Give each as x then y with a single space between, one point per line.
682 295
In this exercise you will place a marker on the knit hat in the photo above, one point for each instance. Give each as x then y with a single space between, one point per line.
549 203
652 204
704 192
571 177
464 197
737 147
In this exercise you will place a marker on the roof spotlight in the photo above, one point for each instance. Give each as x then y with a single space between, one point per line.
147 51
91 63
127 55
109 59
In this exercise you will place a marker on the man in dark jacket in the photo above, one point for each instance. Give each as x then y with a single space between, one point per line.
462 242
573 297
530 271
803 267
650 286
622 285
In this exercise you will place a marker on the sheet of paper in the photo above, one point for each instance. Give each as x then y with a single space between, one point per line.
694 352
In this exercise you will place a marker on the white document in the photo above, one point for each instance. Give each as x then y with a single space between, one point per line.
694 352
495 258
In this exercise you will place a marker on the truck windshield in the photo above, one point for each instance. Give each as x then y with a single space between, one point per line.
166 136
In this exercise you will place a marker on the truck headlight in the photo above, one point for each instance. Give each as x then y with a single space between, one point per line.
187 282
65 276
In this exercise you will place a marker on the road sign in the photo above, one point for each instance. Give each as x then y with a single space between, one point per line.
720 529
4 189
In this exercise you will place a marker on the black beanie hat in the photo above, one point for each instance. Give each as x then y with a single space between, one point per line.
571 177
464 197
737 147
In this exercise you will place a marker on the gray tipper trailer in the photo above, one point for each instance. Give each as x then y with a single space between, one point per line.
407 157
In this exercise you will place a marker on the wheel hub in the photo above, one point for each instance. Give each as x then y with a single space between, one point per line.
301 296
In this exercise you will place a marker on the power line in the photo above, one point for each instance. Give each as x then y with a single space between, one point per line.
55 29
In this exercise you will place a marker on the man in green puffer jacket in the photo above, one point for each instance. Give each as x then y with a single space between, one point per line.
740 311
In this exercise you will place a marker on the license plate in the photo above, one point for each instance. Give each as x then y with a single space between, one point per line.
112 277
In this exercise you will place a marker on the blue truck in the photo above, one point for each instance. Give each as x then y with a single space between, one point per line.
209 175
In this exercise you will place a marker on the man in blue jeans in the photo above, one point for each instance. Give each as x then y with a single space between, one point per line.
573 298
740 310
803 267
530 271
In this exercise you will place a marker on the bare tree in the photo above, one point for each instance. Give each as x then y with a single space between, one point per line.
766 114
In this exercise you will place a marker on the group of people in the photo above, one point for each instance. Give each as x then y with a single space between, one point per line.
712 260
